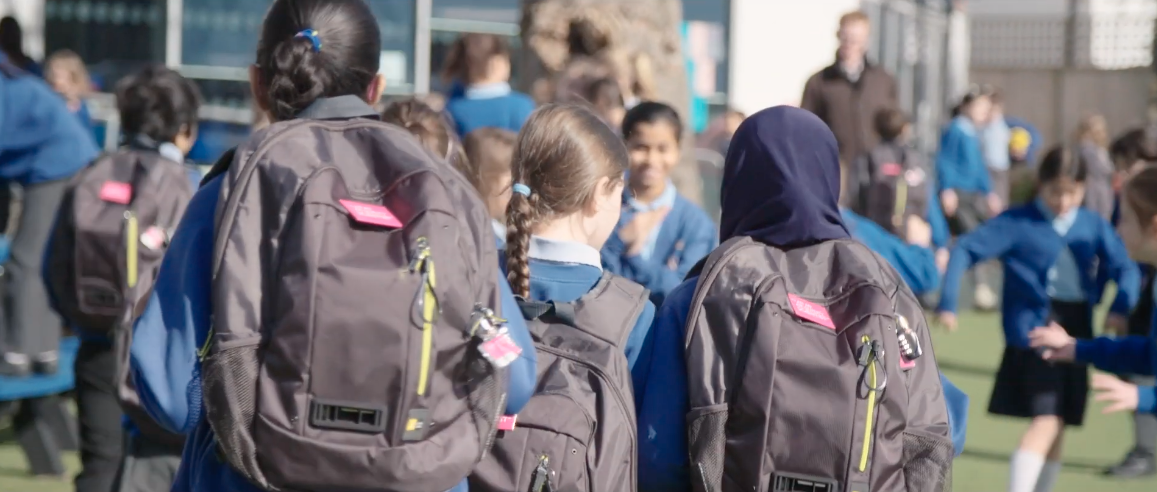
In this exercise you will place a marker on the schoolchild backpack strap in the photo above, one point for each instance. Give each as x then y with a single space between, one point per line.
609 311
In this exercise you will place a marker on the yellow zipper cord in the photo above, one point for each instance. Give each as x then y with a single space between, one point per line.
132 235
204 351
429 305
871 403
901 203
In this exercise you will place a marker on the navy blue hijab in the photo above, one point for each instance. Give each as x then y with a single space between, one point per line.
781 180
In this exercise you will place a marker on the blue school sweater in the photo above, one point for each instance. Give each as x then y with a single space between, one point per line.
1128 355
40 139
915 264
661 400
686 236
494 105
175 324
960 163
1024 240
564 271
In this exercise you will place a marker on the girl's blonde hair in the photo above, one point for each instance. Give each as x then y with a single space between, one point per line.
563 152
1095 129
69 62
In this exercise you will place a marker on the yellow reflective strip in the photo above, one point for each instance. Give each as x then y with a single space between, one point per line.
901 202
132 235
201 354
871 407
429 304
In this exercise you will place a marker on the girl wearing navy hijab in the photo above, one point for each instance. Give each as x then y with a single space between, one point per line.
781 186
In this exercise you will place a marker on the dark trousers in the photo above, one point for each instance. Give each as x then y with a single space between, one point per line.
1144 424
148 466
31 325
101 429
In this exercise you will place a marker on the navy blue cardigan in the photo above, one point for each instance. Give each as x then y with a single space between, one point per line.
1026 243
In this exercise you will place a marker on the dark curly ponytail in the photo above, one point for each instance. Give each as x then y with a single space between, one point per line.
294 73
562 154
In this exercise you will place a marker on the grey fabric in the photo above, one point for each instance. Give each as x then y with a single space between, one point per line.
32 326
1001 184
88 259
1145 424
1099 195
882 177
299 279
99 415
147 466
789 353
578 432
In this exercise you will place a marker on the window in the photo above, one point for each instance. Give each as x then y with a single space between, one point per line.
494 11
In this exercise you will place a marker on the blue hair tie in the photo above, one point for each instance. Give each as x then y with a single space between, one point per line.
312 36
521 189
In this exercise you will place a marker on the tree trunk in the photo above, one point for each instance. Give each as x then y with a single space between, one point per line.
638 40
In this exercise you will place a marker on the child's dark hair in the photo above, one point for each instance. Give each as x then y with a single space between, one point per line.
12 41
158 103
975 91
890 123
294 73
1141 195
470 55
489 153
1059 163
1139 144
562 153
650 112
425 124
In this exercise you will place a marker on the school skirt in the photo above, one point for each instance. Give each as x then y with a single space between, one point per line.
1028 386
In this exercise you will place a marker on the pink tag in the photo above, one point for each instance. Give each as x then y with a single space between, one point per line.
500 350
366 213
906 364
810 311
507 422
891 169
116 192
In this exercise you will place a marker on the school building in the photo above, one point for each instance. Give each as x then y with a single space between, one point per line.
746 54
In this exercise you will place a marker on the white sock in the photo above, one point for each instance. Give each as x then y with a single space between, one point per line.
1048 476
1024 471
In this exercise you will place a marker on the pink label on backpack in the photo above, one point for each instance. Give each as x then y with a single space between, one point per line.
891 169
507 422
906 364
810 311
366 213
116 192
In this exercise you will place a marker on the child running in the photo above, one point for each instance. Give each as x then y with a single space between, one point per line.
1049 249
65 71
478 66
1129 355
568 183
489 153
316 60
660 235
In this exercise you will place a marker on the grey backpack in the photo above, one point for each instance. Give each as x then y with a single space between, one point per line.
577 434
811 370
110 234
354 277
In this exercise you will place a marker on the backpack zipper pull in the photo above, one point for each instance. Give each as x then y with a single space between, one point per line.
542 476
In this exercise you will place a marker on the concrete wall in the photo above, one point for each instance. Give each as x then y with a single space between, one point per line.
1056 100
776 45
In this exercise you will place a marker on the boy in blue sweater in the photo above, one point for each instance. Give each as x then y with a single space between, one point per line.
158 112
660 234
175 322
41 146
1050 250
478 66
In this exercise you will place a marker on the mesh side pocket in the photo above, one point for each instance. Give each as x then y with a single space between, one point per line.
229 387
706 438
486 396
927 463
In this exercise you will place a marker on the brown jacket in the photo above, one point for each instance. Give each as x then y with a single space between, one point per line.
850 108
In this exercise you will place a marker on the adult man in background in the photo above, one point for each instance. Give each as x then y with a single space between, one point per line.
847 94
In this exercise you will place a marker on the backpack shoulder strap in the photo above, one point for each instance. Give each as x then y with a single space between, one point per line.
608 312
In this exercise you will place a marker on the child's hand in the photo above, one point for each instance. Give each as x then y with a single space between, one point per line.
1120 395
947 320
918 232
949 202
1056 342
1116 325
995 205
634 234
942 257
